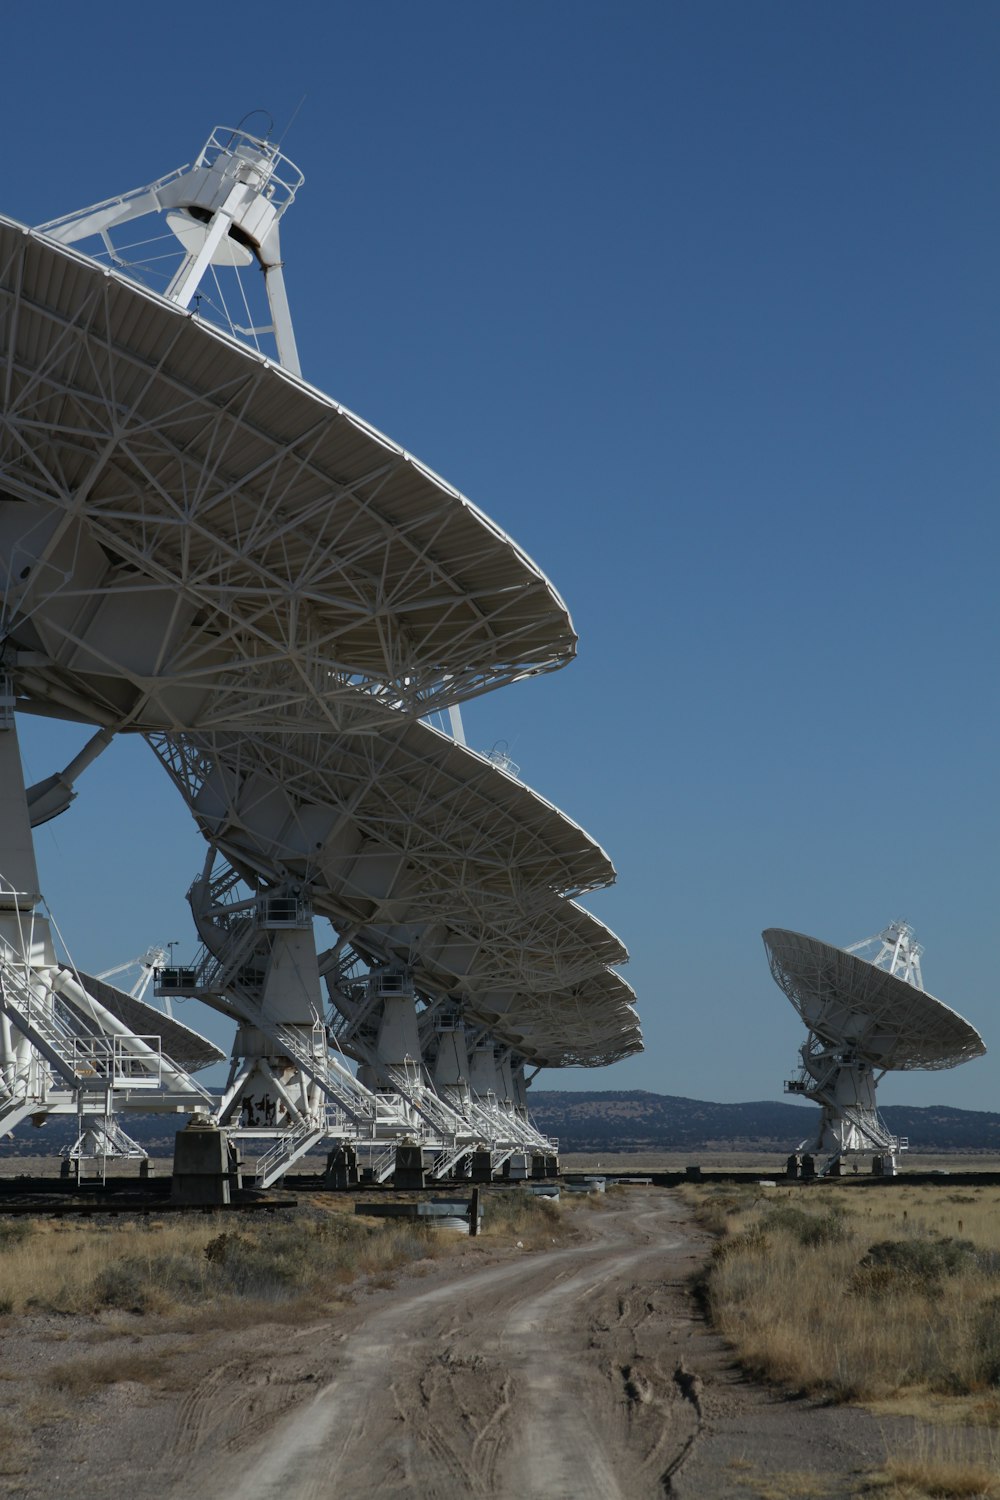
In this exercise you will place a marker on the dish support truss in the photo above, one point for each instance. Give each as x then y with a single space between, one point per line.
423 1080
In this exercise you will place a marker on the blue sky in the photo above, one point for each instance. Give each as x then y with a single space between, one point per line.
699 302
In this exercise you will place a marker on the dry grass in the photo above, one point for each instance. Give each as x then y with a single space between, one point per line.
860 1294
936 1465
66 1267
82 1377
903 1480
282 1266
521 1217
15 1446
784 1484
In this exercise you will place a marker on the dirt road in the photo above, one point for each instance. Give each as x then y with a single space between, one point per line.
579 1373
576 1374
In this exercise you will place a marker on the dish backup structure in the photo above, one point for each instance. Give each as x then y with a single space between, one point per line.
198 547
868 1013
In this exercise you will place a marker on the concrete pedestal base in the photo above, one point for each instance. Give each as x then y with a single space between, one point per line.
482 1166
342 1168
201 1166
409 1169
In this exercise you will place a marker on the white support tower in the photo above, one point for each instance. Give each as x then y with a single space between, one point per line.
290 1088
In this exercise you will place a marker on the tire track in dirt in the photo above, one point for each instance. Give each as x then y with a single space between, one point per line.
236 1397
494 1385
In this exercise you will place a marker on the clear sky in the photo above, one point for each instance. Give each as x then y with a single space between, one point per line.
699 302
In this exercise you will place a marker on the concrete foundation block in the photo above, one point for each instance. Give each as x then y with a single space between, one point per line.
482 1166
408 1173
342 1167
202 1166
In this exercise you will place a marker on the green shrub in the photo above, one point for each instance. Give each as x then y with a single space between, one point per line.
807 1228
140 1285
913 1265
125 1285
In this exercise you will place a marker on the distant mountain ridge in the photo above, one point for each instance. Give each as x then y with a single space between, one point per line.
632 1120
637 1120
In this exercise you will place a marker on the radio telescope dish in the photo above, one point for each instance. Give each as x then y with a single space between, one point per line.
198 546
850 1002
463 926
429 855
587 1025
192 537
865 1018
393 815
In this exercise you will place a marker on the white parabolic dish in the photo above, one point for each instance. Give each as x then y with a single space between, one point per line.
399 815
432 857
197 545
851 1003
191 537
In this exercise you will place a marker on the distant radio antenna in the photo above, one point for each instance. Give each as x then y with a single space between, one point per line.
865 1018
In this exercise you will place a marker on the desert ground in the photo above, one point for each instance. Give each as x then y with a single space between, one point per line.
577 1363
578 1368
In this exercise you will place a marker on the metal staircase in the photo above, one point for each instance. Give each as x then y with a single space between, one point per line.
873 1129
292 1145
384 1164
446 1161
337 1082
17 1109
429 1105
87 1063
